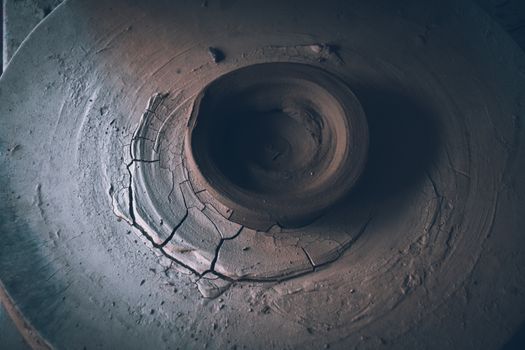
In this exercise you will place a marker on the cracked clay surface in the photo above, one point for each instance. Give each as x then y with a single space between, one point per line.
185 225
105 231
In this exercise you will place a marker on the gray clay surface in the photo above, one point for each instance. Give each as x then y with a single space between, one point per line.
426 252
19 17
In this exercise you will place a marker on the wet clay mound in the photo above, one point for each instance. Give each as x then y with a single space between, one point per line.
264 175
277 143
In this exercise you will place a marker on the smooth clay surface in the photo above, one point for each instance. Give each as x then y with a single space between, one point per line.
107 243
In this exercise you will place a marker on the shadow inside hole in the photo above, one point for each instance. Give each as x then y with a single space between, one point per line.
404 140
258 151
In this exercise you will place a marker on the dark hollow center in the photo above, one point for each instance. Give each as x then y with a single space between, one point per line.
268 151
277 143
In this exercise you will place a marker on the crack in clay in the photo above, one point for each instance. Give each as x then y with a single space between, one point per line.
218 248
145 161
153 105
144 232
185 216
172 185
343 247
457 212
132 212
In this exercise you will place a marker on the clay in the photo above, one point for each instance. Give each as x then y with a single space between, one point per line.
18 19
107 231
193 228
277 144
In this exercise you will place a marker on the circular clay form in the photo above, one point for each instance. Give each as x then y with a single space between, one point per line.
276 143
111 174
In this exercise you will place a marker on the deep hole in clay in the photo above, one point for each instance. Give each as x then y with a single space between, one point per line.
268 151
279 140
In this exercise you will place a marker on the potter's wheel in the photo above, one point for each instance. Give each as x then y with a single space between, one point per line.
112 238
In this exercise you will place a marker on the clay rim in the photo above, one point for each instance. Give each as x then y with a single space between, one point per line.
284 209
